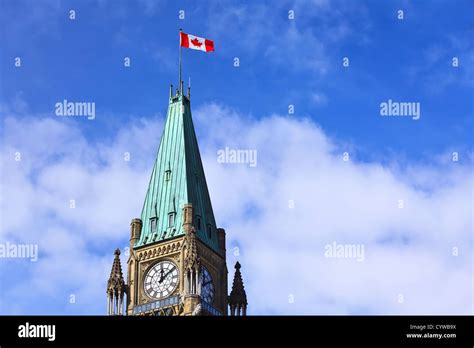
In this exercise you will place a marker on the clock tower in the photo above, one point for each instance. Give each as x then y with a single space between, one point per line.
177 262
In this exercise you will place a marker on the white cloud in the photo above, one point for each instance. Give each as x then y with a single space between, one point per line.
150 6
58 165
75 246
310 42
318 98
434 70
407 251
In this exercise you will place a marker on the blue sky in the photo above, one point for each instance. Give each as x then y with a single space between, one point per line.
282 62
406 60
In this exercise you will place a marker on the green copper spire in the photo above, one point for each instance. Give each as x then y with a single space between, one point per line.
177 179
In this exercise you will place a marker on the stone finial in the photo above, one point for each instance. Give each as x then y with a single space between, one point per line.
191 258
116 287
238 297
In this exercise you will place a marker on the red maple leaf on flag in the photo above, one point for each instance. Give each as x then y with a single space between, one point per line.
196 42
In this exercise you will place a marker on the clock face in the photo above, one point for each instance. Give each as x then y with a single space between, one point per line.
161 280
207 287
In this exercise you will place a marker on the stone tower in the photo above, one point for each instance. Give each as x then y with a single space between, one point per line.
177 262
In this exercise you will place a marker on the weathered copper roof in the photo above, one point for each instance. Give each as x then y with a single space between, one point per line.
177 179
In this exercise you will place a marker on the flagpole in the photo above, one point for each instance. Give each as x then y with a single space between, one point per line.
180 60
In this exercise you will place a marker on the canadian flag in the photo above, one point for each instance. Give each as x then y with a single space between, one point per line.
196 43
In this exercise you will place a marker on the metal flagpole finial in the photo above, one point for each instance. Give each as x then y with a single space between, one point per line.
189 88
180 89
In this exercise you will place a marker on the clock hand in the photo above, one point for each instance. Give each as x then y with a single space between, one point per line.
166 275
161 276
